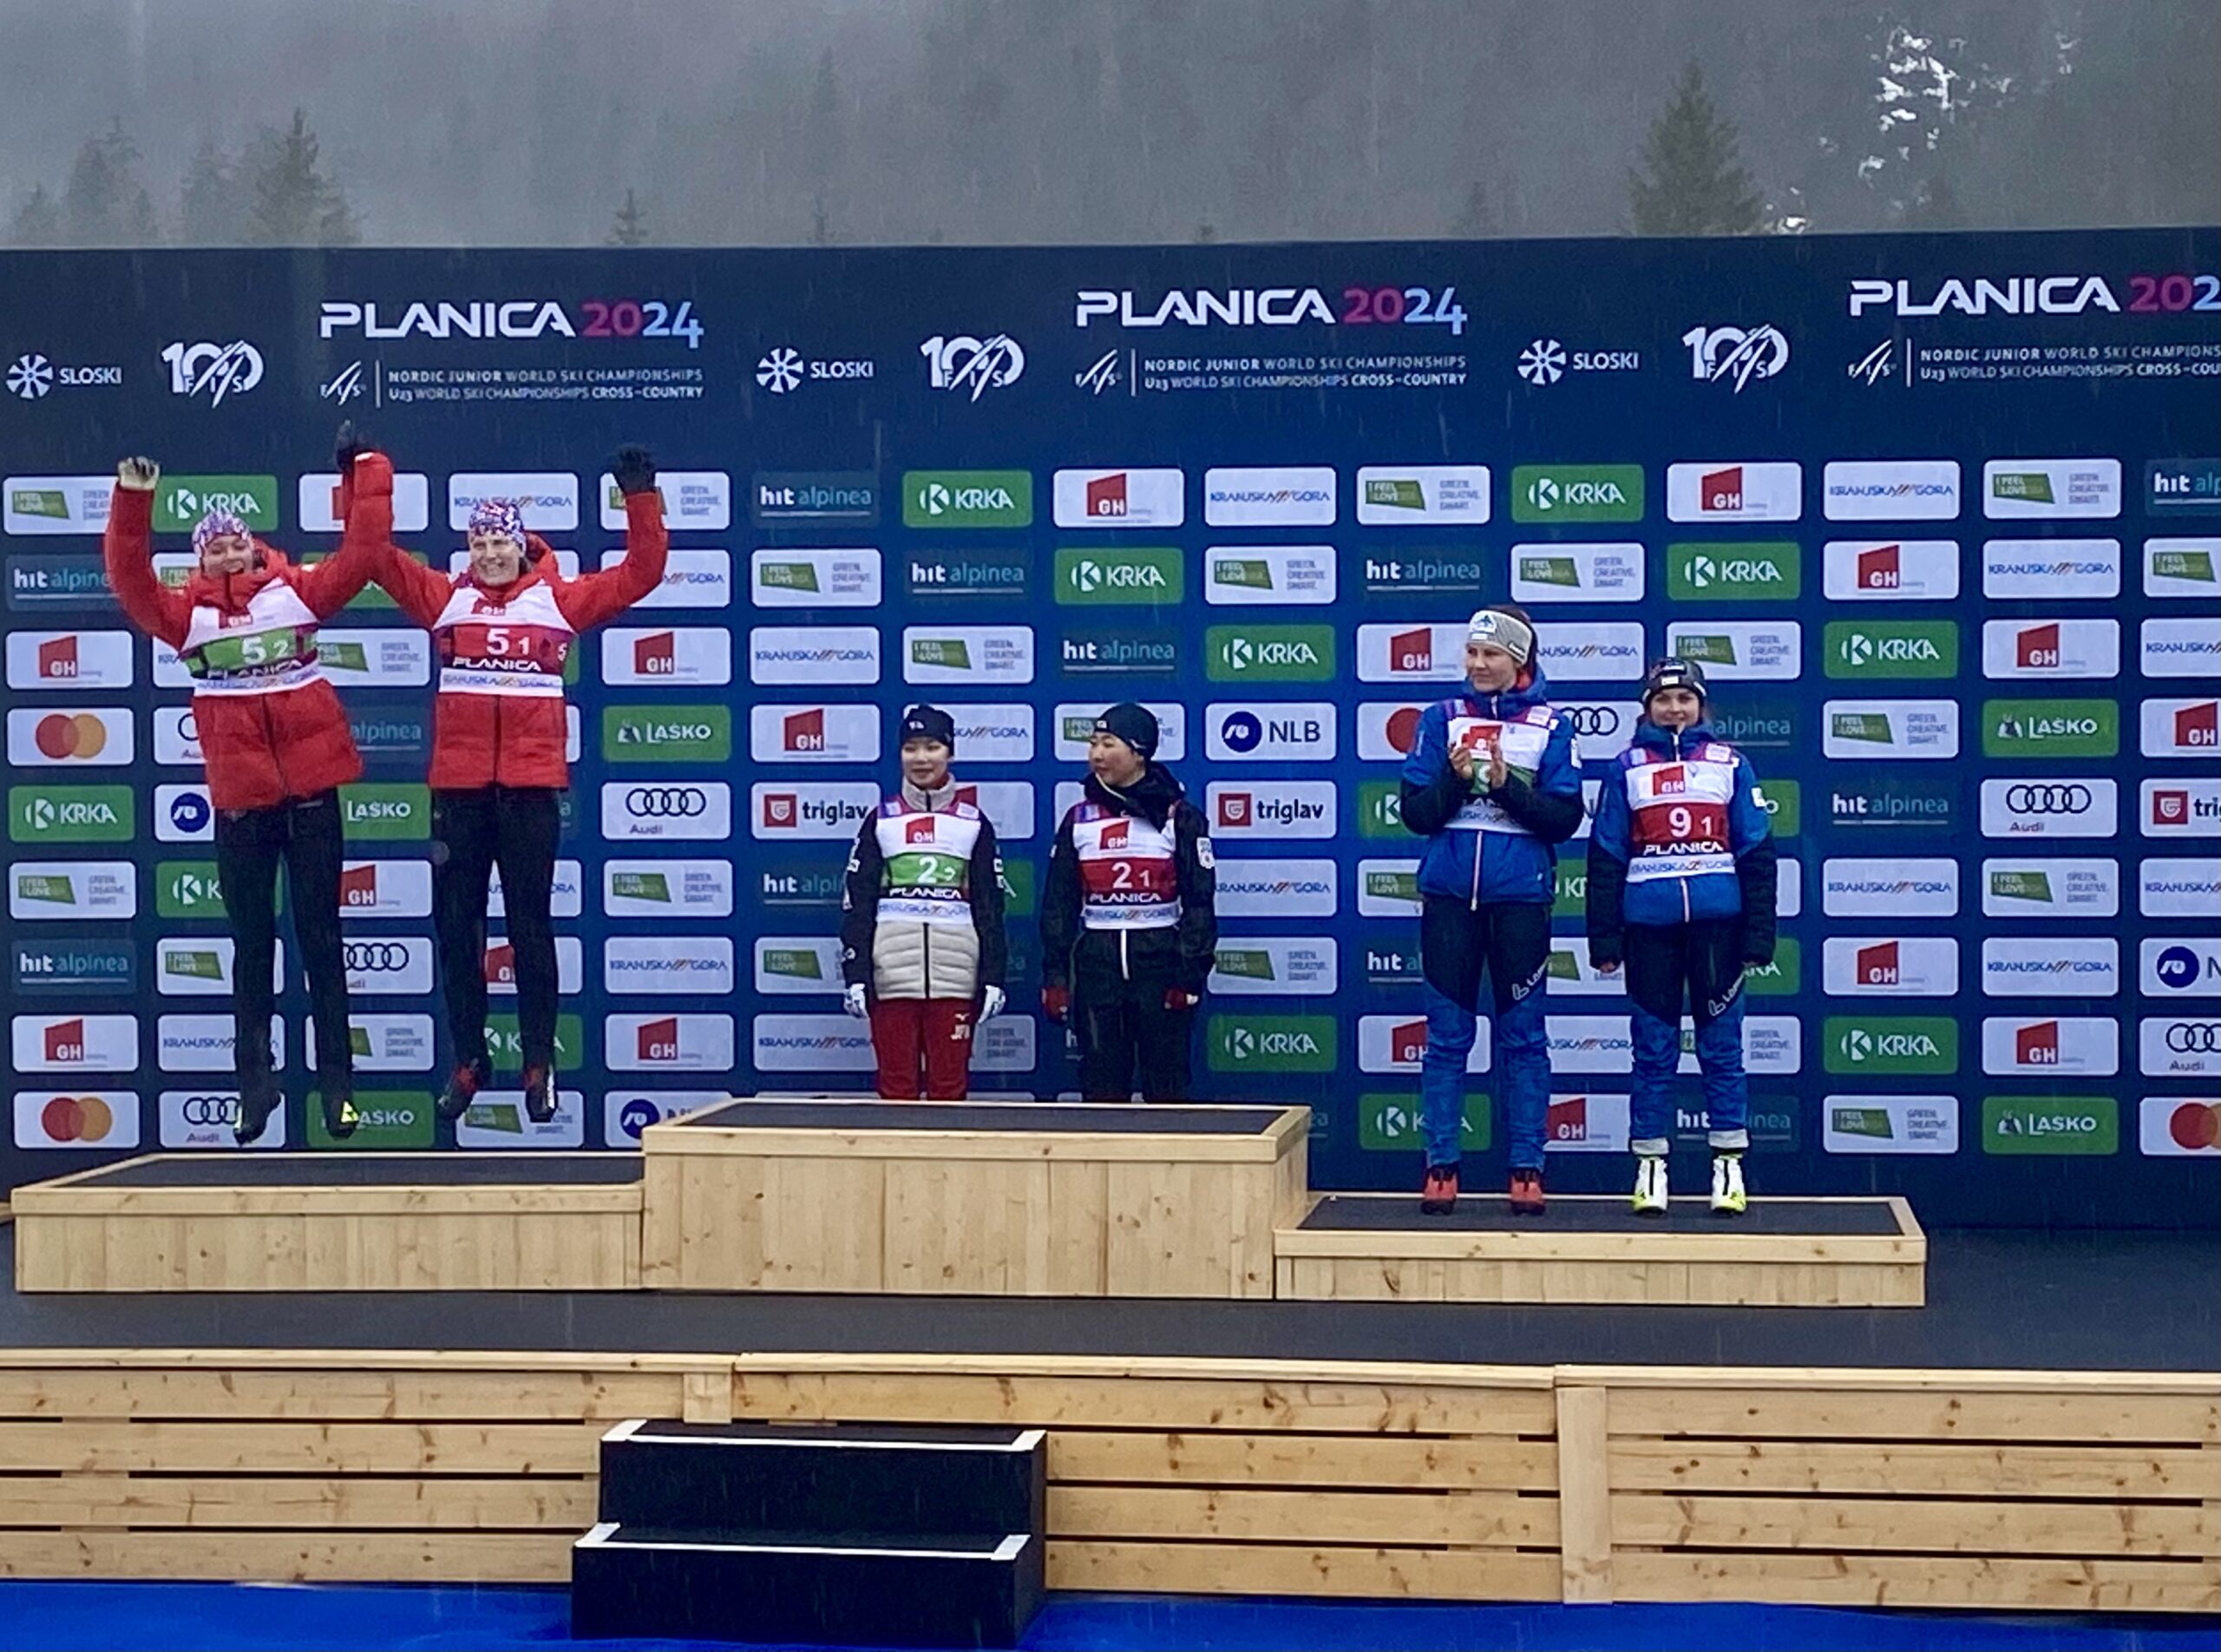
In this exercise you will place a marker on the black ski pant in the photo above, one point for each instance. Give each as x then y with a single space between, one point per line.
516 827
303 834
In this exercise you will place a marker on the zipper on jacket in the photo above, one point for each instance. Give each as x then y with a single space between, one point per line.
1683 882
1125 973
1480 845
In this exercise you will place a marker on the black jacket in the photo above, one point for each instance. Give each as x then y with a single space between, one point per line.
1180 956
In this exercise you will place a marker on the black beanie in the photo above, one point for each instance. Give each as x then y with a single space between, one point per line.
1673 673
928 723
1133 724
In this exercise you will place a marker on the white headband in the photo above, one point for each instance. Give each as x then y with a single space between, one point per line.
1516 637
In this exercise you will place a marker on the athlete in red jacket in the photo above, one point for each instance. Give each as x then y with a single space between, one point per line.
274 740
502 629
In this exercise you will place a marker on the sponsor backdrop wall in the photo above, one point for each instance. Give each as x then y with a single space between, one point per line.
1939 515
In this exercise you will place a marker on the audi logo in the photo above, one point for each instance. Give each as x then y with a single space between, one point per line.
1593 719
2194 1038
2048 800
671 803
210 1110
370 956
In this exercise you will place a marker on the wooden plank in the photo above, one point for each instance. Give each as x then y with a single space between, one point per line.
1525 1279
1925 1526
1112 1402
2196 1384
708 1397
474 1198
2125 1472
1078 1228
540 1502
1922 1580
1206 1368
1584 1495
1799 1414
287 1556
345 1394
1492 1520
1518 1244
1080 1456
915 1147
265 1447
1300 1568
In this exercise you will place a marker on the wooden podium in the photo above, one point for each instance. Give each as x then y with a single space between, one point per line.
972 1198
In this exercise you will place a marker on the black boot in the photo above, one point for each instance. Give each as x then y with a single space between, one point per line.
463 1086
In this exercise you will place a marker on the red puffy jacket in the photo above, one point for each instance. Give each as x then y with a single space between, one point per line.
259 749
481 739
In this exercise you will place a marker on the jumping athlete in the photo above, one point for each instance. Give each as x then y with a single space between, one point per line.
502 629
1681 887
922 947
274 740
1128 920
1493 782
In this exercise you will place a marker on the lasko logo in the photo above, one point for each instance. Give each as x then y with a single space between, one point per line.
1894 888
2048 889
1859 649
667 734
1277 889
1589 651
2066 966
1731 651
1574 493
385 811
1890 491
2180 728
1275 964
56 504
2184 485
2043 806
2179 808
1913 570
1269 497
1890 1123
71 815
2051 569
1757 572
789 964
1268 653
2182 568
1731 491
667 964
967 499
2173 1126
2088 1125
69 738
549 499
2088 648
1076 727
1561 571
701 656
698 810
2181 647
1887 1045
2020 487
783 578
2055 1044
1236 1043
809 655
789 1043
181 502
1120 498
1904 966
1270 731
69 660
996 654
1421 496
384 1118
1235 575
2050 728
42 889
808 809
695 502
814 733
1120 575
667 888
1271 808
777 498
1890 729
2178 966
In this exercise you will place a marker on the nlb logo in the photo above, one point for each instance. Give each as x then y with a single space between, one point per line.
1296 728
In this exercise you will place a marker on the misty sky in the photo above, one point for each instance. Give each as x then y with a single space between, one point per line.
523 121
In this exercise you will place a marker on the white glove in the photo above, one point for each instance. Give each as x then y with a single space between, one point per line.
138 474
853 1001
992 1000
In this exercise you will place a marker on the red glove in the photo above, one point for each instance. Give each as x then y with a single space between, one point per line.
1179 997
1055 1002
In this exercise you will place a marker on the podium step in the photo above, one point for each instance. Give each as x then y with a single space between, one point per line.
849 1589
817 1479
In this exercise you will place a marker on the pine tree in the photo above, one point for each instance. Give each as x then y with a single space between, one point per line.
1692 182
630 227
291 202
820 226
212 202
105 203
37 222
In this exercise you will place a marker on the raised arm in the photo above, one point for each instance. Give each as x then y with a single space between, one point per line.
127 549
366 504
592 599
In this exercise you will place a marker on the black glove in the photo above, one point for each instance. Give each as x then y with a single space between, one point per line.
1604 957
346 448
634 468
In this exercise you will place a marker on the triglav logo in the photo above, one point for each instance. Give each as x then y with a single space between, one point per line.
1736 355
976 365
214 370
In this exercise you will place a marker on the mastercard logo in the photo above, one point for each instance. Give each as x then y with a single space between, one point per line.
77 1119
2195 1126
65 734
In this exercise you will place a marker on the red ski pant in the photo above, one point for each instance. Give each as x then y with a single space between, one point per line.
924 1046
